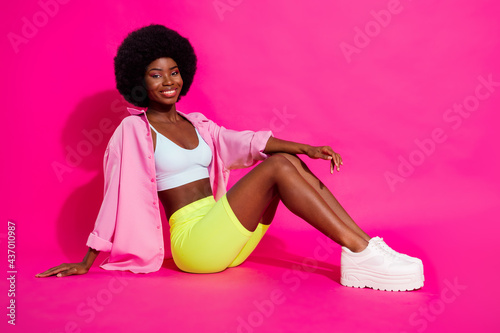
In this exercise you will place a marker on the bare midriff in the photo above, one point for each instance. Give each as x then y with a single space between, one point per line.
175 198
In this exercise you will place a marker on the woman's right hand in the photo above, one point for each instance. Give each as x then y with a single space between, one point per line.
65 270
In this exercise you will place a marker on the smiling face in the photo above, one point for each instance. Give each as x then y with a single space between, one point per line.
163 82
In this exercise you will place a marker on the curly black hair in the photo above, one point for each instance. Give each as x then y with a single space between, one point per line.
143 46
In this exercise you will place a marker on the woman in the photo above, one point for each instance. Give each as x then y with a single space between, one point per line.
184 160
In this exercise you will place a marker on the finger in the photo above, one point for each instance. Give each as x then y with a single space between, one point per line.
326 155
67 272
47 272
337 162
52 271
331 167
327 150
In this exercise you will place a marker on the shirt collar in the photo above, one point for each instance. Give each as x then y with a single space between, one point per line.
134 111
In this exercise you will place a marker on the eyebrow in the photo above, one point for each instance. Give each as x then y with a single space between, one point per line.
160 69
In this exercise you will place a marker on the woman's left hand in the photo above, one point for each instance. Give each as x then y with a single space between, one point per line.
326 153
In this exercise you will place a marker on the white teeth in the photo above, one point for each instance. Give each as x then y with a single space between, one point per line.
168 92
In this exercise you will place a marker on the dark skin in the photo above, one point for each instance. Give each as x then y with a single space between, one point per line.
254 198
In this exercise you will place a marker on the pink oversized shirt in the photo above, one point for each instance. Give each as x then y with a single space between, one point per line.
129 223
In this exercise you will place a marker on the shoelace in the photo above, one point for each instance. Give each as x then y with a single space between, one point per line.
389 254
387 248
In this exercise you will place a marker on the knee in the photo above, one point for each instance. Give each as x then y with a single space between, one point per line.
293 159
281 162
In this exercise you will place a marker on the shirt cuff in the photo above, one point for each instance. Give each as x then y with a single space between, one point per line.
260 140
99 244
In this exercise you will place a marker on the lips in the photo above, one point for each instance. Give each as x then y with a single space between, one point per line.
169 92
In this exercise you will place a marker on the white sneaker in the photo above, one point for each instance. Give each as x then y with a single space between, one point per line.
381 243
379 269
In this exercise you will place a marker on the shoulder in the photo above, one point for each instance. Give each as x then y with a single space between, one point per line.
133 121
195 117
131 124
129 127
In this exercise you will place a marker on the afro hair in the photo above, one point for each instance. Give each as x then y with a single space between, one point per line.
143 46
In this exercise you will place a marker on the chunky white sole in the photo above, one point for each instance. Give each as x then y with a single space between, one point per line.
358 278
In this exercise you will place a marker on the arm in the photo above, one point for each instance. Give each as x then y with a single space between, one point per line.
74 268
275 145
239 149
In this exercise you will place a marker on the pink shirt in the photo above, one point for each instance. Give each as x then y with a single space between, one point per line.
129 224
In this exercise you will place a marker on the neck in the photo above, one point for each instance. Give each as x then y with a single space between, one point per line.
163 113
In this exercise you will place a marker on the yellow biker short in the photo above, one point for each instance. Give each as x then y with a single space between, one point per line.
206 237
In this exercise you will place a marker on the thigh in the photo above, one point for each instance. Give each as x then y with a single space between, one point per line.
208 241
250 197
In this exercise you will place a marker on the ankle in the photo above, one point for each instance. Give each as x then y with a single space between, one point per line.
358 246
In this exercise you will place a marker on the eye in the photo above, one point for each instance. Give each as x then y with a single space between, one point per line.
155 76
175 73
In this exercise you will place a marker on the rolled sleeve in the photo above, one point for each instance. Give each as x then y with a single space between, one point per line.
98 243
241 149
259 142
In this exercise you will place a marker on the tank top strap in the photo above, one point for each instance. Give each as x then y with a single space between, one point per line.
154 129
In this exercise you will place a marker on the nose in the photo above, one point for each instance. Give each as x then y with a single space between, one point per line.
167 80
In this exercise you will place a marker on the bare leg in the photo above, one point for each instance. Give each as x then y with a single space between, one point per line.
270 211
251 196
325 193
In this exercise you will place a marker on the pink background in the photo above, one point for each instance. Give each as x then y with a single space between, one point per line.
377 80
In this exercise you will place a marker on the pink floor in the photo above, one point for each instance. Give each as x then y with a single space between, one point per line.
289 284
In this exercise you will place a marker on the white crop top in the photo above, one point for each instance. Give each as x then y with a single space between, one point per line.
176 166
